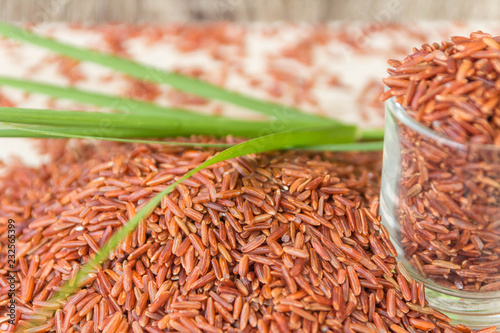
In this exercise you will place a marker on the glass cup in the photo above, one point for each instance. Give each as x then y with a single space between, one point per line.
440 201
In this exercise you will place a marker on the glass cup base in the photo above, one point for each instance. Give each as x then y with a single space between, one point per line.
475 313
476 310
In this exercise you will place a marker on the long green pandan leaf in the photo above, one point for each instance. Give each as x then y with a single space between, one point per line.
170 125
372 134
296 138
13 130
50 132
127 105
144 108
155 75
29 131
354 146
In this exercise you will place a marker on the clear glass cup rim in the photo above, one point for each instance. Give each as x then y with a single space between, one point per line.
398 111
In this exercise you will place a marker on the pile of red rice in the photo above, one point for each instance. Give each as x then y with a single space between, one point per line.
284 241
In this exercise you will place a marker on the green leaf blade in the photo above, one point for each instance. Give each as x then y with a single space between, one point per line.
159 123
65 133
126 105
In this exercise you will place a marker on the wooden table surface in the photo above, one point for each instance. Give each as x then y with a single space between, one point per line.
158 11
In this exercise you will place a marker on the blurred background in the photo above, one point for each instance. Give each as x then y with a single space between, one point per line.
160 11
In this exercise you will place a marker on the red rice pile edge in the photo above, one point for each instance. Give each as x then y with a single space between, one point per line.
450 199
281 242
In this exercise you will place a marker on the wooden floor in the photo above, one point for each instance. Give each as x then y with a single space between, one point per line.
158 11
